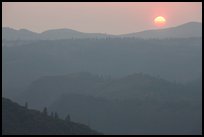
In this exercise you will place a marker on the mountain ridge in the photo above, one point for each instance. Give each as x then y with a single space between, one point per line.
186 30
19 120
189 29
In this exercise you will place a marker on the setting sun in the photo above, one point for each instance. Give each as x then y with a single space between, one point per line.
160 21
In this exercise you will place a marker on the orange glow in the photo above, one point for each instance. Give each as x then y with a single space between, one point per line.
160 21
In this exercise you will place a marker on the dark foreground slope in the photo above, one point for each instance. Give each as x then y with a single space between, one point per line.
19 120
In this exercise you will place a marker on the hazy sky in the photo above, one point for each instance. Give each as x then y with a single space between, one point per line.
112 17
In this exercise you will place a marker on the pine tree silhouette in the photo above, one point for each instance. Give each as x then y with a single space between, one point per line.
56 116
68 118
45 111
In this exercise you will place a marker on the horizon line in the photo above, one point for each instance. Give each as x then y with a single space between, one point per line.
97 32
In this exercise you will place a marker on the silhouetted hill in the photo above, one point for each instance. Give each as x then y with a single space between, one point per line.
18 120
52 87
137 104
191 29
142 87
55 34
22 34
135 86
69 34
187 30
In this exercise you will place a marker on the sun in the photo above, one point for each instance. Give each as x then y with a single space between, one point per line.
159 21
